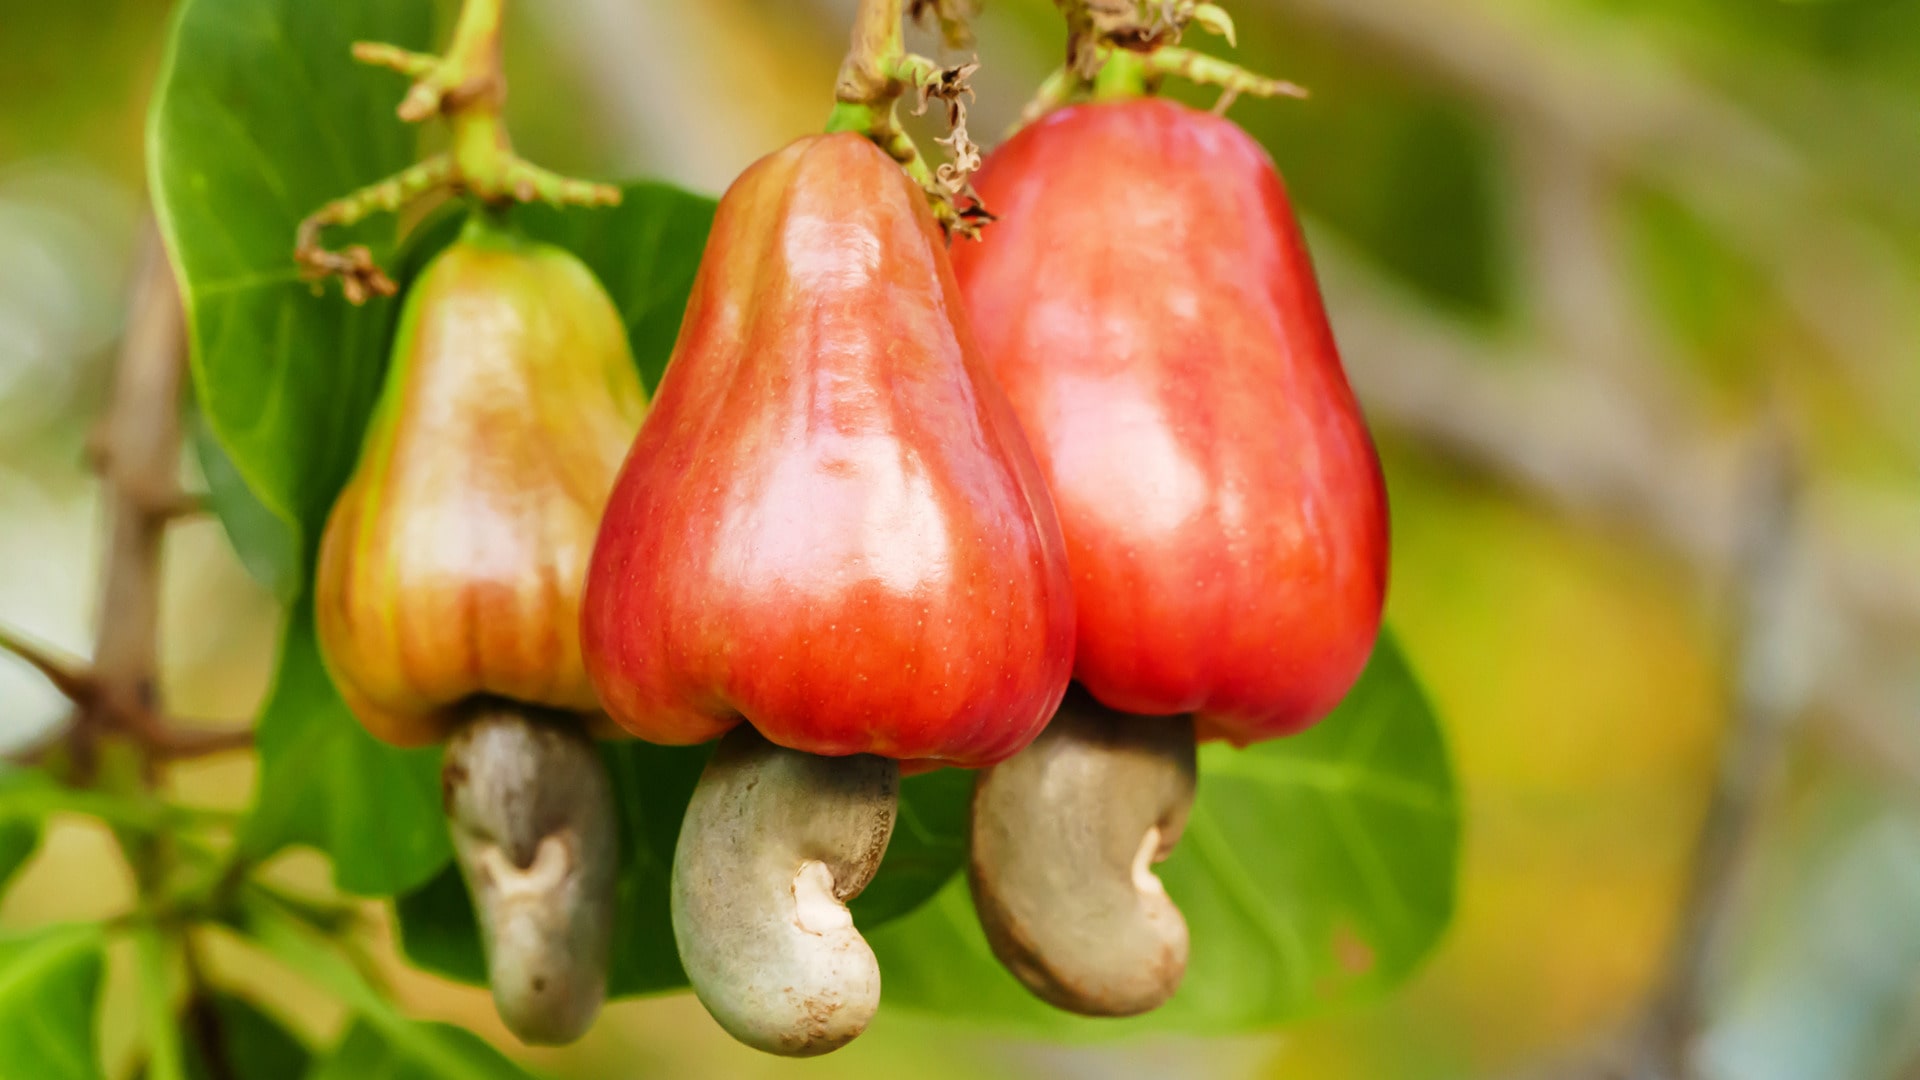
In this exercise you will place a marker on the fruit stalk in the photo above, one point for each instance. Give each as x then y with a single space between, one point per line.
877 72
467 88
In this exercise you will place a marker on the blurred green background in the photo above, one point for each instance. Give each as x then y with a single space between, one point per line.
1587 260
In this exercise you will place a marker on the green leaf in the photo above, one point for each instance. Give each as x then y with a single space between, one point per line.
256 1045
324 781
429 1052
383 1042
652 785
19 834
18 841
49 991
437 929
260 118
269 546
1316 871
929 846
645 251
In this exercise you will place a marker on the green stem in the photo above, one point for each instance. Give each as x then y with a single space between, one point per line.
852 116
1204 70
476 36
877 35
471 77
1123 76
870 79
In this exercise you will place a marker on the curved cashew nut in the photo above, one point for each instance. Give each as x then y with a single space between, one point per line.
537 839
1064 837
775 843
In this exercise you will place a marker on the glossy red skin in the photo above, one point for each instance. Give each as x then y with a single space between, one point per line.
830 524
1147 301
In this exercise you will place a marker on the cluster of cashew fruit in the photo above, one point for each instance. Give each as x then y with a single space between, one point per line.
1053 505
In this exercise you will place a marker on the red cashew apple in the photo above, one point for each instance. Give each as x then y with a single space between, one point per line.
830 531
1148 304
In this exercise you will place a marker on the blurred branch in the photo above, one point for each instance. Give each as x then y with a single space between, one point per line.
739 60
136 451
74 683
1765 703
1633 455
1631 110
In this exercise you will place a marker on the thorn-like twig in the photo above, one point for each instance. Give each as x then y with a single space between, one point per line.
360 277
168 740
466 88
182 505
136 451
72 680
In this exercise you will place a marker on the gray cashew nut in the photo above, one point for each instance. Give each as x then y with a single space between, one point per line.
1064 837
774 844
537 839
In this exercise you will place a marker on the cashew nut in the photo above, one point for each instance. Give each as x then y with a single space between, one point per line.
1064 837
775 843
537 839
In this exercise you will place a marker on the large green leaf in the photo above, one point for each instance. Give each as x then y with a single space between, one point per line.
324 781
929 845
49 991
260 118
1315 870
652 785
18 841
645 251
269 546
